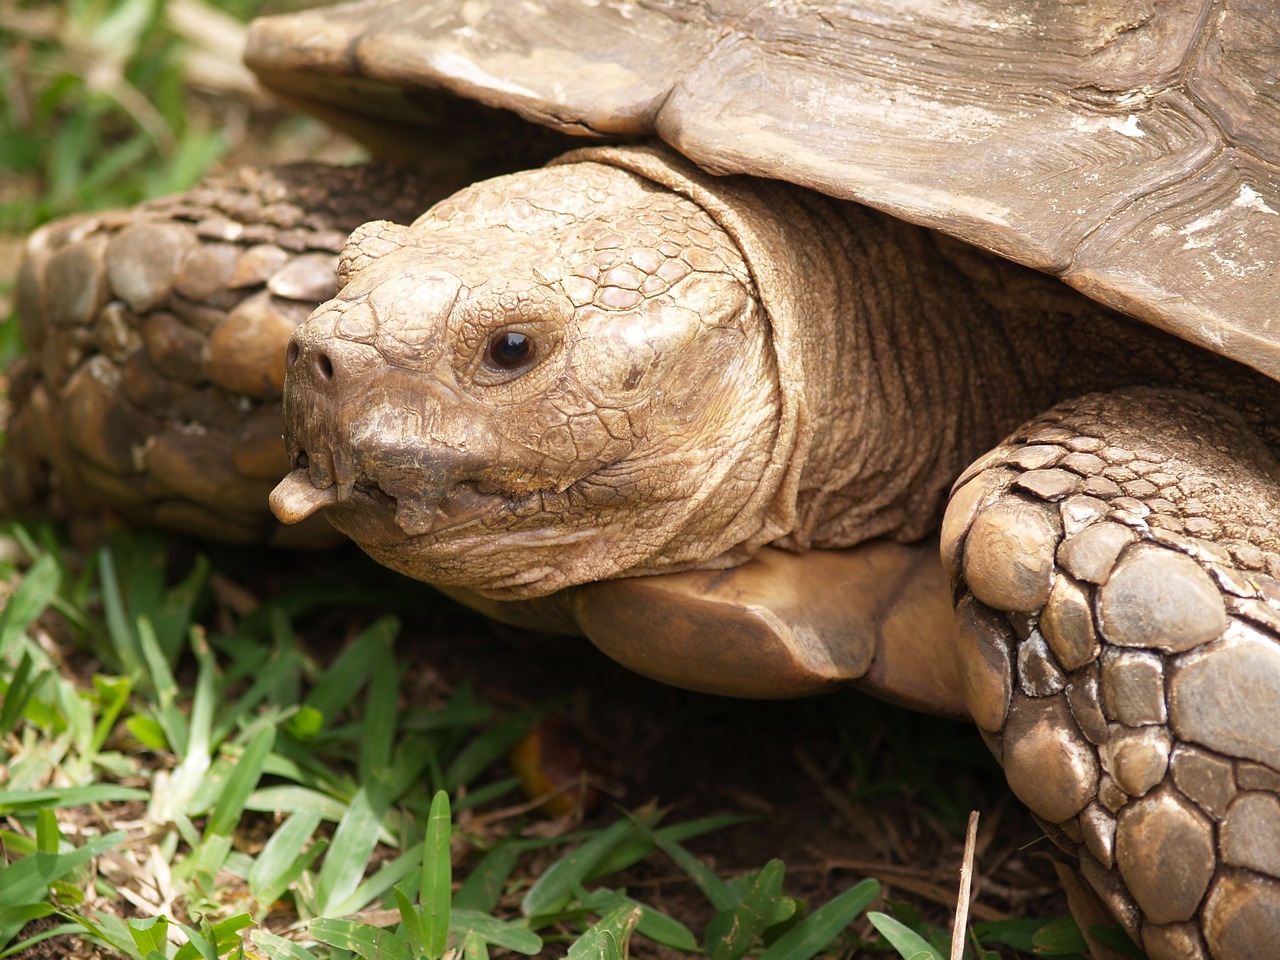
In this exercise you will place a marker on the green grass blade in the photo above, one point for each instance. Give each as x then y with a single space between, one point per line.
348 673
482 889
16 801
380 714
436 888
369 942
47 833
124 641
816 931
501 933
615 926
280 854
909 944
278 948
34 594
240 785
411 918
757 911
488 748
26 880
717 891
640 846
555 887
150 935
353 843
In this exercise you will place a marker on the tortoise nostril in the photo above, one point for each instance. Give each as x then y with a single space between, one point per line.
291 354
324 366
302 461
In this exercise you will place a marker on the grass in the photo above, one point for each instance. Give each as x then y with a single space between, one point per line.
179 781
175 792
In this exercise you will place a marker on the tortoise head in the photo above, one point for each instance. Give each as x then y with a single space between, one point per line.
552 377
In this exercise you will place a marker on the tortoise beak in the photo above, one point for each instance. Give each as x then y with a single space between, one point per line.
295 497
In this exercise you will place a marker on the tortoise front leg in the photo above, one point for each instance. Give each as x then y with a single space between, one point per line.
156 345
1116 564
877 616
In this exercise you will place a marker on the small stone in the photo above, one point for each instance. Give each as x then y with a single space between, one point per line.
1164 849
986 667
1098 829
1173 941
1159 598
1224 696
1255 776
1205 778
1049 764
1091 554
1008 555
1067 624
1038 674
1242 916
1051 484
143 262
1250 833
1084 695
1137 758
1133 687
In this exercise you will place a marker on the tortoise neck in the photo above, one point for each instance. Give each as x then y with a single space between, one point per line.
913 377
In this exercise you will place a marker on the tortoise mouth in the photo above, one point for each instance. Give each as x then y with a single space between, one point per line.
368 512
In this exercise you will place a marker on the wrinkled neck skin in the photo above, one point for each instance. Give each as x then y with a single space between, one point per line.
909 374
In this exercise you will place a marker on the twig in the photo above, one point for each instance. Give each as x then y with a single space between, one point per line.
966 888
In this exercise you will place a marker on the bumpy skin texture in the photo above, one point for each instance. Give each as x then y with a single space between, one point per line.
155 345
1120 649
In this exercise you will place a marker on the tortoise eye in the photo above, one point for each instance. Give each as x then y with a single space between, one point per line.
508 350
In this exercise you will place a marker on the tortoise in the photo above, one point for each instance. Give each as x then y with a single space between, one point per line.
929 349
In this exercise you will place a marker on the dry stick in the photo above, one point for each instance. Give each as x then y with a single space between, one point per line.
966 886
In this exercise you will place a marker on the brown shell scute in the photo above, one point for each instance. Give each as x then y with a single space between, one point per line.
1130 149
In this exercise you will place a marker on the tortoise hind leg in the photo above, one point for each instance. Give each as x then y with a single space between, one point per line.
156 338
1115 564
